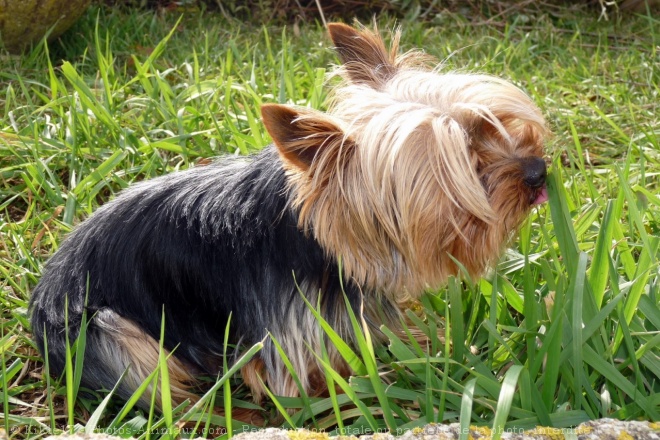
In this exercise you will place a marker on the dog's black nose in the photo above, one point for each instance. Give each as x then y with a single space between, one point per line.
534 172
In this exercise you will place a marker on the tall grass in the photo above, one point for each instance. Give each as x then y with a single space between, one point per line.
565 329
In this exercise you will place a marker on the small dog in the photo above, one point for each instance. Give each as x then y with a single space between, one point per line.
409 172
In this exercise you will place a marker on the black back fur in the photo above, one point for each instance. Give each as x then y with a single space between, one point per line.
201 244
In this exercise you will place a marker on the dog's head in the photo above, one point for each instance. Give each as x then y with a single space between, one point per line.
411 168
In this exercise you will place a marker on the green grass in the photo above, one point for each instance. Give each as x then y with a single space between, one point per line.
565 329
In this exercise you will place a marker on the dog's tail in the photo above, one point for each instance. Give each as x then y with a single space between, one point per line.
114 346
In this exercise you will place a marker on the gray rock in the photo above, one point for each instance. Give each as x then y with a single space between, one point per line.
603 429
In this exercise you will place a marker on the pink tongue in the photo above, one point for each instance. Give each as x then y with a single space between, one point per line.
542 197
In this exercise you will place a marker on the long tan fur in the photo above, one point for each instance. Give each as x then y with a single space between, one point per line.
420 168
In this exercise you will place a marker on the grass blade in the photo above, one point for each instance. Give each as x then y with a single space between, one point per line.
576 295
599 270
505 400
466 409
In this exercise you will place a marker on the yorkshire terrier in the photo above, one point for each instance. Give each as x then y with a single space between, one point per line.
411 176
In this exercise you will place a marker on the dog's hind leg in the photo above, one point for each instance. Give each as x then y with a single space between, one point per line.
115 345
120 343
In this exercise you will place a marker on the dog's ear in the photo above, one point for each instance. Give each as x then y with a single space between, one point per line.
363 54
302 135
